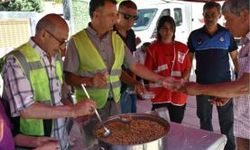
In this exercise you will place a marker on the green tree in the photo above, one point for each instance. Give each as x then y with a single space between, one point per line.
22 5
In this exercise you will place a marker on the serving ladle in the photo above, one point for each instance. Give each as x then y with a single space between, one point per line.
107 131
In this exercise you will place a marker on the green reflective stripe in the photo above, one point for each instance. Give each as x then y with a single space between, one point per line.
22 61
114 85
116 72
27 66
91 73
116 92
115 80
35 65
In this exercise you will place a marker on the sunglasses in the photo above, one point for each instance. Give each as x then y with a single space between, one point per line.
128 16
61 42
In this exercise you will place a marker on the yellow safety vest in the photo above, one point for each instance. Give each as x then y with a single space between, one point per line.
34 68
91 62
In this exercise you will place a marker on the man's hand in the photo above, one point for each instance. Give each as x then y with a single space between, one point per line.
139 88
99 80
52 145
191 88
219 101
45 143
84 107
173 84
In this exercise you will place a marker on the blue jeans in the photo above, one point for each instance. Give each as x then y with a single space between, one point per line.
226 117
128 102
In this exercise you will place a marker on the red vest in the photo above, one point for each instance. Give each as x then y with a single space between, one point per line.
168 60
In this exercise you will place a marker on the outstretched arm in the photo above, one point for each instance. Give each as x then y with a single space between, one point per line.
145 73
40 111
228 89
39 143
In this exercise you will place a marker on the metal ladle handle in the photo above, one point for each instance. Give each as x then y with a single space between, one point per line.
85 91
107 131
98 116
87 94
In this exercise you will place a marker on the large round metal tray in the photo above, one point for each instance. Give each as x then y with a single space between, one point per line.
136 116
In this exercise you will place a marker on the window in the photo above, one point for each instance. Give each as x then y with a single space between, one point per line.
178 16
144 20
165 12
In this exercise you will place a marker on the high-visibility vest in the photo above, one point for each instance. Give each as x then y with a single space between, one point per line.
30 62
91 63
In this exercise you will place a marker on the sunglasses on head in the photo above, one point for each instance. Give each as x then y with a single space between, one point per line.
128 16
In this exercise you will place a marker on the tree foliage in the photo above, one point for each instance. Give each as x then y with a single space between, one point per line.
22 5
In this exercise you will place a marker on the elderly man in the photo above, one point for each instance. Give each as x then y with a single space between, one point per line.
33 80
95 56
236 13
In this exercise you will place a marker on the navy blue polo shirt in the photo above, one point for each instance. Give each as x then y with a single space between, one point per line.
212 54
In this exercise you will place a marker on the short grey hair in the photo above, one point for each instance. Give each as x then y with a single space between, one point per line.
235 6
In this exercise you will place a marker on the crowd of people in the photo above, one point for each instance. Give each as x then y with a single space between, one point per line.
35 114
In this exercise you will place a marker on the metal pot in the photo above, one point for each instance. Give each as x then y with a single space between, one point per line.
158 144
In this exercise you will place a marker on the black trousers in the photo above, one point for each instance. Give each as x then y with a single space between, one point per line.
176 113
226 117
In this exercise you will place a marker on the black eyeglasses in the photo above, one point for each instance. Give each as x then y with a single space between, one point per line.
61 42
128 16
